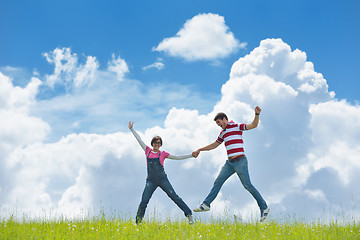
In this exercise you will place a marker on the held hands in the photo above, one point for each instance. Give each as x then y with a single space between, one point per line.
131 124
196 153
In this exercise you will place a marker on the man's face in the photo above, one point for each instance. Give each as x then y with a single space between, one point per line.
222 123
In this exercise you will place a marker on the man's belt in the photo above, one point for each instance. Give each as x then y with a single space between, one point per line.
235 159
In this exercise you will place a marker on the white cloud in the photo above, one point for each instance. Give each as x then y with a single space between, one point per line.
64 62
85 74
68 71
204 37
335 129
17 126
159 65
17 98
118 66
316 194
62 172
18 129
303 157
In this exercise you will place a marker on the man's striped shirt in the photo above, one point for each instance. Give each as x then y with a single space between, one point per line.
232 136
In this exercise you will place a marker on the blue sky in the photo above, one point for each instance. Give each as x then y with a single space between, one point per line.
73 73
326 30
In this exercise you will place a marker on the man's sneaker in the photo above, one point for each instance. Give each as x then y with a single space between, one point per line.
264 214
191 220
202 208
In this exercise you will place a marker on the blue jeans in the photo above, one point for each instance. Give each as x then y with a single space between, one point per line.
165 185
241 168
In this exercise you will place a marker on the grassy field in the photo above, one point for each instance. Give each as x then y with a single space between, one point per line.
153 229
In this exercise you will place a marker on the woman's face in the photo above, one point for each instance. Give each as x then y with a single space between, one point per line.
156 145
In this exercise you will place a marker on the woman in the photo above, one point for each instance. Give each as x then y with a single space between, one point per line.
156 176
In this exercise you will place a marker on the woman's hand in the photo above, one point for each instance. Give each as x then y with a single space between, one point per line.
131 124
195 154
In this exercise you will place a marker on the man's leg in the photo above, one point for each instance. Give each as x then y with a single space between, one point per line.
165 185
241 168
225 173
149 189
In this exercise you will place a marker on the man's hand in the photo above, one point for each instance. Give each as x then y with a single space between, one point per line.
131 124
196 153
257 110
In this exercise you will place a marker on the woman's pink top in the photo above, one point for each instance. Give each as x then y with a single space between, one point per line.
152 154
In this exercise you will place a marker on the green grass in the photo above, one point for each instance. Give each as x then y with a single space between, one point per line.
154 229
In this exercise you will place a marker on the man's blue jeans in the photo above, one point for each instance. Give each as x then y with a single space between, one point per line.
241 168
165 185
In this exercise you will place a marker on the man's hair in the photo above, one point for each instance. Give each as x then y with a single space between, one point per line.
155 139
220 116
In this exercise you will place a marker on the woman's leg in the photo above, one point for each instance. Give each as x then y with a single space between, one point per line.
149 189
165 185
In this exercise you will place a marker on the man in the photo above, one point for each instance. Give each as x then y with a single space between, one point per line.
231 134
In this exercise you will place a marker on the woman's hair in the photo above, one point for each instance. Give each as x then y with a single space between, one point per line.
220 116
155 139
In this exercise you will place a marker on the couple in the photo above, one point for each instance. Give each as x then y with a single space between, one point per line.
231 134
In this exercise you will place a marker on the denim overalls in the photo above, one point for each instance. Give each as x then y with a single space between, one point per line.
155 170
157 178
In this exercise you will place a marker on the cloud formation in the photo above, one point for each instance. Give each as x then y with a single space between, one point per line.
18 127
67 68
69 72
303 157
118 66
159 65
204 37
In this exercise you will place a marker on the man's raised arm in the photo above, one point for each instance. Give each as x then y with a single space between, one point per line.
255 122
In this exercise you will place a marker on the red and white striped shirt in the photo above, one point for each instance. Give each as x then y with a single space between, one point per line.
232 136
